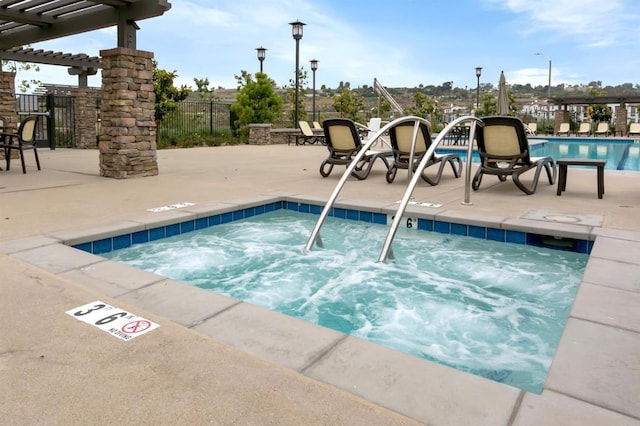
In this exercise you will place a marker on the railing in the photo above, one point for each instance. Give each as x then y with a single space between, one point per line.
315 234
386 248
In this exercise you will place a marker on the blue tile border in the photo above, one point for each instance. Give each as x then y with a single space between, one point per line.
108 244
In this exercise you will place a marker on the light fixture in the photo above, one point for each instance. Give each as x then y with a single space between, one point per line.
262 53
314 67
296 32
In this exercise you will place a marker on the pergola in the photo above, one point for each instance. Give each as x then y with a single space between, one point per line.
562 116
127 144
24 22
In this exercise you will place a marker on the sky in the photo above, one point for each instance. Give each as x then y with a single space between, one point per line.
403 43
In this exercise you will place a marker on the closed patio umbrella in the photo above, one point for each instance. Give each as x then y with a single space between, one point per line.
503 100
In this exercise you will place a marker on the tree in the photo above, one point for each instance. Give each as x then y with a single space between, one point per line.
488 105
291 96
600 113
167 95
425 107
202 88
256 101
348 103
385 108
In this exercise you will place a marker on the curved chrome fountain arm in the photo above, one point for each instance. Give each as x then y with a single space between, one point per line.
414 180
347 173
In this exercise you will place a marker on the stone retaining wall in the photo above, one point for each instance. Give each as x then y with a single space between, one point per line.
263 134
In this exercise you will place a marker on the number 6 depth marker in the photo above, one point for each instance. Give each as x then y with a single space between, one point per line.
115 321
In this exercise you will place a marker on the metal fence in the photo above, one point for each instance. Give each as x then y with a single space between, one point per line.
192 119
55 124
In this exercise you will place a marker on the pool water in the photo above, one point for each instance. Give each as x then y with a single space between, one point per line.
488 308
621 154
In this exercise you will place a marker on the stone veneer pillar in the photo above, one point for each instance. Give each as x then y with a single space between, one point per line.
128 128
8 102
562 116
85 118
8 99
260 134
621 120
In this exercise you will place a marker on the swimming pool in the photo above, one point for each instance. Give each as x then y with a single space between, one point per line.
466 333
621 154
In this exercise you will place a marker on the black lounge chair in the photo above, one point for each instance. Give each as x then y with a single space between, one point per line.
401 140
504 151
343 142
24 139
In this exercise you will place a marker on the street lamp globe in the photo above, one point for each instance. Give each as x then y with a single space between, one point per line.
262 53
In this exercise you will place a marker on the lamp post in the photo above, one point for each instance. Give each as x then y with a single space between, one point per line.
548 87
296 32
314 67
262 53
478 73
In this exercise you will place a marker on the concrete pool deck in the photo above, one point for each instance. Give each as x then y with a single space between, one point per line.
216 360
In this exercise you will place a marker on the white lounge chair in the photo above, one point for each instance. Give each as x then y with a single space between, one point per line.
563 130
602 130
584 130
532 128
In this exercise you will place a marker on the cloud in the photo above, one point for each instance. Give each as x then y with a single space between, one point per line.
594 23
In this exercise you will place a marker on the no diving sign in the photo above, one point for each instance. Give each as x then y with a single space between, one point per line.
115 321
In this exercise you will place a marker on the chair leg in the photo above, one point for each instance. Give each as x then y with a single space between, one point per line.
323 172
7 158
35 152
534 184
438 177
457 171
477 179
24 167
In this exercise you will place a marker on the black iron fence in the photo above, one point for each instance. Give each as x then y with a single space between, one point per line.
189 120
197 119
55 112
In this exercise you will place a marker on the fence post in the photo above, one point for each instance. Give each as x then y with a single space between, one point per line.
210 118
51 120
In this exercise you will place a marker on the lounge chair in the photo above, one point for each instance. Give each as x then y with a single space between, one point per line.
373 126
401 140
504 151
24 139
532 128
344 143
634 129
563 130
602 129
317 125
307 135
584 130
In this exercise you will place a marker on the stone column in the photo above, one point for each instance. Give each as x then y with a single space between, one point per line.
128 128
8 99
85 118
8 103
562 116
260 134
621 120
